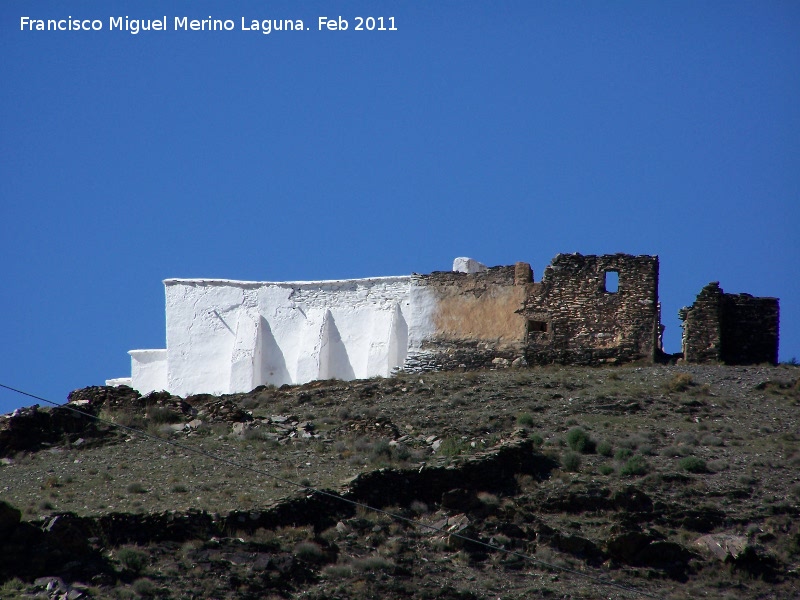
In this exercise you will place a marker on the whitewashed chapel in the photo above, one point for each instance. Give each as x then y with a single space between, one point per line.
228 336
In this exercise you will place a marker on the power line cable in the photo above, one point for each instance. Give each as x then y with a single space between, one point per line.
312 490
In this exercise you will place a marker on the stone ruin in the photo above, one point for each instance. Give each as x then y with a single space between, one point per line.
231 336
735 329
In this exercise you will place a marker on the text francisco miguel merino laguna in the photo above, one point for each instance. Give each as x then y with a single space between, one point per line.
134 26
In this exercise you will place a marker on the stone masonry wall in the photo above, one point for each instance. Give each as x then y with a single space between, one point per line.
735 329
749 329
702 333
476 319
574 316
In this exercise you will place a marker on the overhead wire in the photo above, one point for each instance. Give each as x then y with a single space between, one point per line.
324 493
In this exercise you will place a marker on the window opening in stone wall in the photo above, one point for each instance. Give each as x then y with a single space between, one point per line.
612 282
537 326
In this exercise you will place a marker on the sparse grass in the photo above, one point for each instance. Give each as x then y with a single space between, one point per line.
781 388
702 390
754 469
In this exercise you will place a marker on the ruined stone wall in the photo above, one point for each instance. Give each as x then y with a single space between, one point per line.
749 329
736 329
702 333
475 319
576 316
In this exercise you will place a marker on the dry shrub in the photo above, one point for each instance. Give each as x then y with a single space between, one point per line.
680 382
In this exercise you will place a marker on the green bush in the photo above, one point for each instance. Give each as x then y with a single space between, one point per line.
137 488
692 464
125 418
373 563
604 448
673 451
162 416
687 437
571 461
381 450
623 454
12 589
712 440
525 420
635 466
646 450
401 452
579 441
132 559
606 469
309 551
715 466
452 446
145 588
338 571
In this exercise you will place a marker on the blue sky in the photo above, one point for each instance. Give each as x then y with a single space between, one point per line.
504 131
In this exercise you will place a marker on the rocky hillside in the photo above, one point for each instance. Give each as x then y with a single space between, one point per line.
627 482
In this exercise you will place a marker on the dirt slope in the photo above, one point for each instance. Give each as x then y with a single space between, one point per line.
674 482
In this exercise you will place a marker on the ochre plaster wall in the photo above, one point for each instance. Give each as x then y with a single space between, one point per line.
470 314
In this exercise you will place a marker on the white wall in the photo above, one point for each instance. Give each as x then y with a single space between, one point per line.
230 336
149 370
464 264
